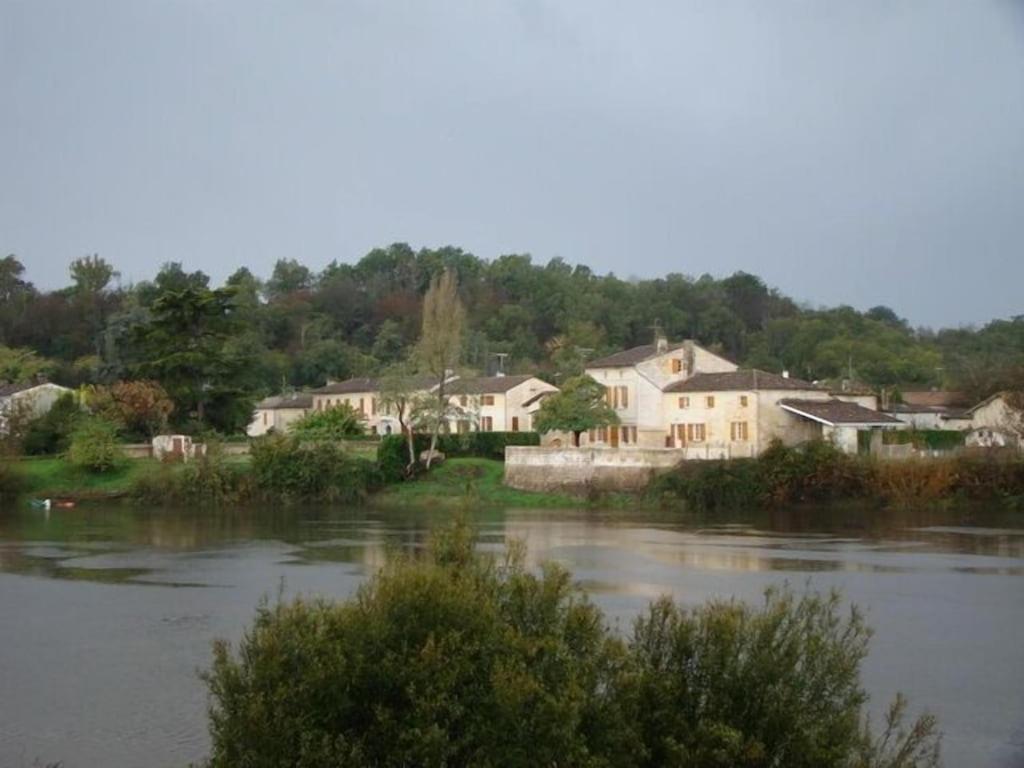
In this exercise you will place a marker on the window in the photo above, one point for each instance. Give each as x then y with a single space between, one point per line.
463 400
362 406
617 397
264 418
463 426
684 402
695 433
515 423
677 365
710 400
373 406
487 400
602 434
738 431
486 424
743 401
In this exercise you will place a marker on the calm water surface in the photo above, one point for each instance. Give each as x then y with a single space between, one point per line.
106 614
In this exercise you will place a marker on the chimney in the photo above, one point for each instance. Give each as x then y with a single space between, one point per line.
785 374
660 342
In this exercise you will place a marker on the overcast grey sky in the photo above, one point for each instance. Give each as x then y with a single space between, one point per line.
848 152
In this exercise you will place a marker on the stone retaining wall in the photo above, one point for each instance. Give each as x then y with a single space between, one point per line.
578 470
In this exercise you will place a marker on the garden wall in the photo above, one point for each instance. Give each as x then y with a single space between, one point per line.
578 470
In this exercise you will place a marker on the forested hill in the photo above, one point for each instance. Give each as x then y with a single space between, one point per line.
297 327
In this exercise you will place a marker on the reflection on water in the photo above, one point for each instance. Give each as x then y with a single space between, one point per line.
109 611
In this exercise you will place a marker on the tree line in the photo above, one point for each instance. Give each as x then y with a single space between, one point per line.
215 348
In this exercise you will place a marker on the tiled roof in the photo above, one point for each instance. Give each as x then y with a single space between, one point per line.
350 386
747 379
295 400
538 396
935 398
347 386
6 390
486 385
838 412
628 357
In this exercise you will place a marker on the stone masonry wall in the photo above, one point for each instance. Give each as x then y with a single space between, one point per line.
577 470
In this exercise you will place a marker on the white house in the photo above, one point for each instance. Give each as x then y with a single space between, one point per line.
279 413
635 380
28 399
995 423
683 396
486 404
497 403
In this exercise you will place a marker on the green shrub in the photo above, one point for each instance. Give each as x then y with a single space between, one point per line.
12 481
94 445
283 467
51 432
393 452
339 422
209 480
459 659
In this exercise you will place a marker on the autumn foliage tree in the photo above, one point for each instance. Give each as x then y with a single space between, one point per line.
141 407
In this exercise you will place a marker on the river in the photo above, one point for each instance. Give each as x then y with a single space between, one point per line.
107 613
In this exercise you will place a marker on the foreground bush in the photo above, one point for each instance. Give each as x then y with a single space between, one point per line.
461 660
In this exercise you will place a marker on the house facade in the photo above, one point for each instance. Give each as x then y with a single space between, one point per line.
485 404
995 423
635 380
28 400
278 413
496 403
685 397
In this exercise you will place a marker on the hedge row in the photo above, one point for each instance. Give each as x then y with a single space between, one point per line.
819 472
393 451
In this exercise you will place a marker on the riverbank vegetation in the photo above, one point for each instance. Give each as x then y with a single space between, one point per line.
459 658
205 353
457 483
817 472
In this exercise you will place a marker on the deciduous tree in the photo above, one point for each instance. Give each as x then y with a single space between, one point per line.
580 405
440 347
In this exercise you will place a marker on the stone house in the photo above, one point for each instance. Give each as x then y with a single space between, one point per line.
497 403
29 400
635 380
685 397
363 396
279 413
486 404
995 423
739 414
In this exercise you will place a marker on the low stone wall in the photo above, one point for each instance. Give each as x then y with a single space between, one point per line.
578 470
137 450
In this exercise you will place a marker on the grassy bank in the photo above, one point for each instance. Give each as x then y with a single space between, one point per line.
47 477
457 482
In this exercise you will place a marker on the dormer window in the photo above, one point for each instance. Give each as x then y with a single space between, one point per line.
677 365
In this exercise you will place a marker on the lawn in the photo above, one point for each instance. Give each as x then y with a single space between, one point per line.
458 482
56 477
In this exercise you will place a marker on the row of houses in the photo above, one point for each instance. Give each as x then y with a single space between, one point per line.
486 403
680 396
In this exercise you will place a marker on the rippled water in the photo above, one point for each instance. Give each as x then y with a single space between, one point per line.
107 614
